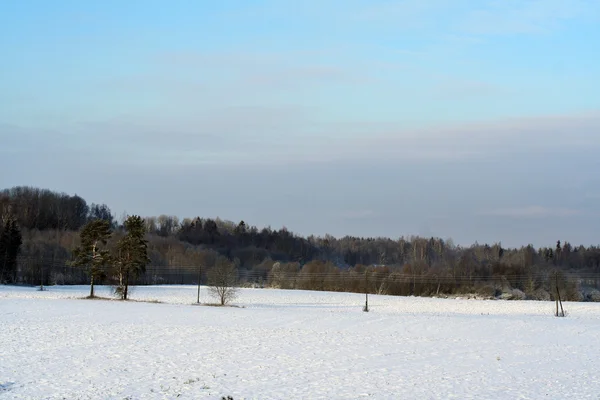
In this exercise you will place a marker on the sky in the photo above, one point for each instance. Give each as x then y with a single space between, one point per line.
474 120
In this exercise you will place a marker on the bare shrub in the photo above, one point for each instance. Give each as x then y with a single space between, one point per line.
594 295
513 294
540 294
486 291
222 280
283 275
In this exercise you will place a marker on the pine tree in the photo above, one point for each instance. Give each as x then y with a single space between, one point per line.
16 240
10 246
132 253
89 254
4 240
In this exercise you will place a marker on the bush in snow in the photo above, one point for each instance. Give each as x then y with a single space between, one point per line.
518 295
513 294
593 295
487 291
539 294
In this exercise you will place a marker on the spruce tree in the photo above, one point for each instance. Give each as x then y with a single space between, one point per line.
14 248
4 240
132 253
89 254
10 246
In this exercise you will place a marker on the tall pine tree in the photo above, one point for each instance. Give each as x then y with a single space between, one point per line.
132 253
89 254
10 246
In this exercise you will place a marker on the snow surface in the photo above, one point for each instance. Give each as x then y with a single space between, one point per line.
283 344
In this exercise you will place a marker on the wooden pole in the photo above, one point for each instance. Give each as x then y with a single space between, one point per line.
558 299
199 276
42 276
556 284
366 309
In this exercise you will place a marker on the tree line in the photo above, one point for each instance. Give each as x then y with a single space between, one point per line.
51 222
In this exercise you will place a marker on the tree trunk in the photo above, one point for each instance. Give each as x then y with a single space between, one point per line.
199 278
4 257
126 288
92 269
366 308
558 299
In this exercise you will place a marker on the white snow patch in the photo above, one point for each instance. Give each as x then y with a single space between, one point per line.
291 345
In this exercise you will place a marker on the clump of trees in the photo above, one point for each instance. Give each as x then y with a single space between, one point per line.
128 258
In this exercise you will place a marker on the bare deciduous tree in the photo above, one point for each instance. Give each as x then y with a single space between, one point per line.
222 280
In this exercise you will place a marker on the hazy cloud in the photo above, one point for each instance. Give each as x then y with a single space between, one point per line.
483 139
456 89
283 135
357 214
513 17
532 212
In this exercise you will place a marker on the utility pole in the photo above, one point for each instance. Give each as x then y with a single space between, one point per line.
199 276
558 299
366 309
42 275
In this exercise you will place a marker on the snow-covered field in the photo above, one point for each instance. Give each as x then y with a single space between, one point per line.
292 345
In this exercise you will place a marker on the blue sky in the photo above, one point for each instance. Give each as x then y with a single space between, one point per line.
476 120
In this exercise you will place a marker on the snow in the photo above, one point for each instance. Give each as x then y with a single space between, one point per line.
281 344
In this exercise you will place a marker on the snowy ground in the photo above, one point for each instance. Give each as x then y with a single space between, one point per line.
292 345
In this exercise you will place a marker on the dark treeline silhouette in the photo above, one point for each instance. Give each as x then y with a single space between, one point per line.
50 223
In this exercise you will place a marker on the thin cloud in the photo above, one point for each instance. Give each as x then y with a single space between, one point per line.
514 17
303 75
532 212
463 88
248 71
410 14
295 135
357 214
489 137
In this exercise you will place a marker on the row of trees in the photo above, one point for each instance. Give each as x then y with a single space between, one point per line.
408 265
42 209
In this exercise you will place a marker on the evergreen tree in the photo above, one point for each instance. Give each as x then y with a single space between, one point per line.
212 230
4 240
89 255
10 246
241 231
132 253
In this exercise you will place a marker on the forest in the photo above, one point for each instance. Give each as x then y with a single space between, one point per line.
40 230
